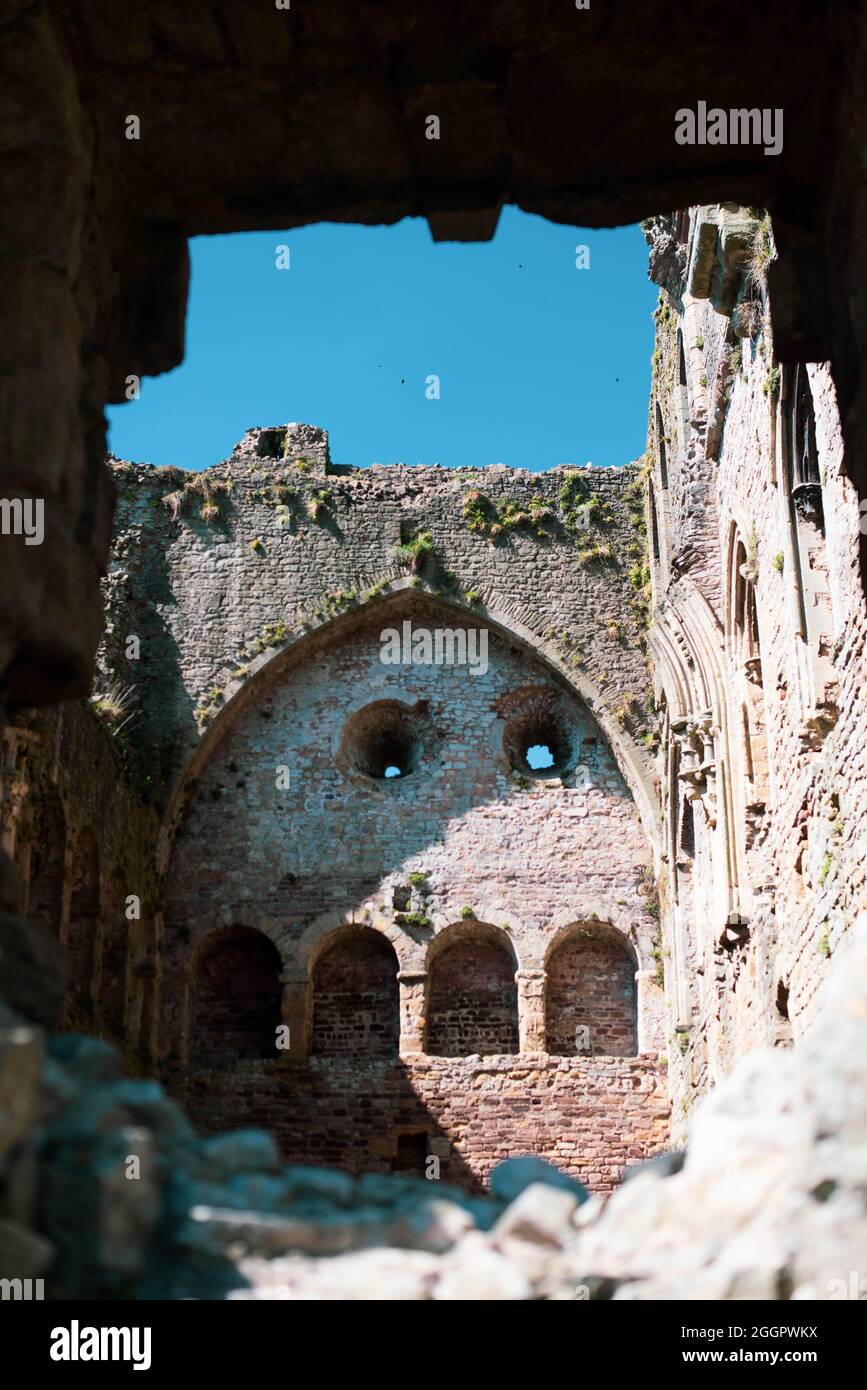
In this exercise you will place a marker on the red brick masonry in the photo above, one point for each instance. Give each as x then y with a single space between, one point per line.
589 1115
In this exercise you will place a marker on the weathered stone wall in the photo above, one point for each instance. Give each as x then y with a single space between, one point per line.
590 1116
758 645
215 571
381 917
470 865
82 838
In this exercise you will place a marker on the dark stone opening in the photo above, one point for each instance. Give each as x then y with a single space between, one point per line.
384 740
237 998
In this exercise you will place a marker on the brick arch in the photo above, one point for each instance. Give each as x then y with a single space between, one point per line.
590 985
355 996
235 997
472 995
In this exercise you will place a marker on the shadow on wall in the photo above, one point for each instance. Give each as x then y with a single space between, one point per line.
164 728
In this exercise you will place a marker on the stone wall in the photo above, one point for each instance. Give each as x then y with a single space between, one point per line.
409 914
758 647
590 1116
82 837
216 572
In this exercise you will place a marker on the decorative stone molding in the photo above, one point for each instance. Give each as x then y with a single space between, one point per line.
695 736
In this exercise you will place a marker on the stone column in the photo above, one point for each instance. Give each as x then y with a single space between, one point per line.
295 1011
531 1009
413 985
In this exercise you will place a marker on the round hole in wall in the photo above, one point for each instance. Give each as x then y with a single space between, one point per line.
540 737
384 739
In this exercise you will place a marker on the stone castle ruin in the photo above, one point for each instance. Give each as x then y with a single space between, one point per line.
428 817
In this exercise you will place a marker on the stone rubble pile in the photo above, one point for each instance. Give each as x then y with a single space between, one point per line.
770 1202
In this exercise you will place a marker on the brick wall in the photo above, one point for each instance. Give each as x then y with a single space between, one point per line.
236 996
473 1001
590 1116
355 999
591 984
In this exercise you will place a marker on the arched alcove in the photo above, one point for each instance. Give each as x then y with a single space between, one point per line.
805 507
355 996
236 998
654 520
472 1004
590 997
749 676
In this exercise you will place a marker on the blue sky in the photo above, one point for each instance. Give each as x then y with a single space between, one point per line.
539 362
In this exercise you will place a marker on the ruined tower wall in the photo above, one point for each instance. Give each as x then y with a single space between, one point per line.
472 872
247 606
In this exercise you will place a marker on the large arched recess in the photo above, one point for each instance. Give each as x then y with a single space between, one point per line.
267 669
